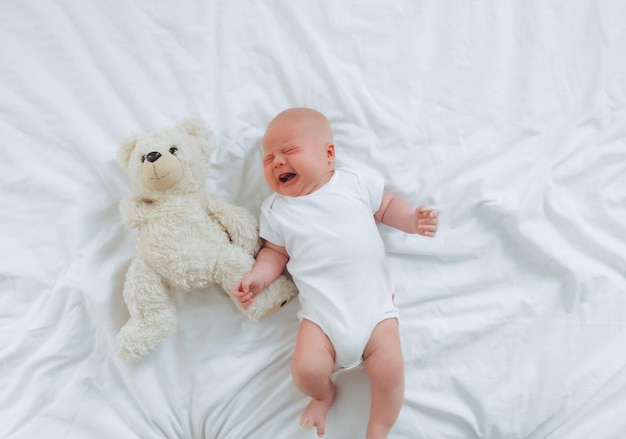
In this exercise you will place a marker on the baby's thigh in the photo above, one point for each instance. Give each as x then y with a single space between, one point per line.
314 352
383 353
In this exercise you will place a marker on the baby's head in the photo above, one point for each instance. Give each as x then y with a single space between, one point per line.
299 152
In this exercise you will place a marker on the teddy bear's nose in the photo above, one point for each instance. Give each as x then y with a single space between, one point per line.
153 156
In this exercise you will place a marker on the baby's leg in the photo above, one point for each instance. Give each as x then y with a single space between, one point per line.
385 367
312 365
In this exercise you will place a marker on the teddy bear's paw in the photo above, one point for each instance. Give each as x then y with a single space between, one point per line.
129 351
129 347
137 338
272 298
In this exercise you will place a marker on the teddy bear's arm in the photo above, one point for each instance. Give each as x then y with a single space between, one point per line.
238 222
134 211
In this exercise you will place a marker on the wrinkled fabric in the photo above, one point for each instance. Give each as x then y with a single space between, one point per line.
509 117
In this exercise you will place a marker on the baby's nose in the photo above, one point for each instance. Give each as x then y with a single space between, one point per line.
279 161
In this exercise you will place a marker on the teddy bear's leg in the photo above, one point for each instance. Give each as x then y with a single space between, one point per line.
233 265
152 312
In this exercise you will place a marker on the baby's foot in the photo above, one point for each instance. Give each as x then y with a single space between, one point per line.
314 415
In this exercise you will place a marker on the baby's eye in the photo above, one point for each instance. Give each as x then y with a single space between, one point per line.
268 159
173 150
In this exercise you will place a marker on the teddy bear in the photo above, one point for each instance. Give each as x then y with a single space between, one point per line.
187 237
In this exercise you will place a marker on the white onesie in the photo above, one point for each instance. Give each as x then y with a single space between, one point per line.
337 258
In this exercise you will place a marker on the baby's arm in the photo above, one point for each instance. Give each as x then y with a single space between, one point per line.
397 213
270 263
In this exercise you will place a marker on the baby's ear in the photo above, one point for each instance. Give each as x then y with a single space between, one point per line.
330 152
127 149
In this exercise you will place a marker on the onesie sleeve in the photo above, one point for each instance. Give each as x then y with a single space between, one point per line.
267 227
373 187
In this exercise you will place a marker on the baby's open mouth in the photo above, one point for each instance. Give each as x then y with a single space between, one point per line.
286 177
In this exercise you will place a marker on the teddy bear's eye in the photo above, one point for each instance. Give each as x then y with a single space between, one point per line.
143 158
173 150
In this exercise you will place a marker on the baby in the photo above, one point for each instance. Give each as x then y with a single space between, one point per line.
320 223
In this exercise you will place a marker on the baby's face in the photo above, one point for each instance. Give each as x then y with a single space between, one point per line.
297 160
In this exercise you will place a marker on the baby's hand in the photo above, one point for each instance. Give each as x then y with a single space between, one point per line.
247 288
425 221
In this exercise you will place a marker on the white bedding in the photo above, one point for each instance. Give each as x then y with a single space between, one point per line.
508 116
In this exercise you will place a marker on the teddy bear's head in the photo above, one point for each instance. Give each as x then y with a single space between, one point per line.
172 160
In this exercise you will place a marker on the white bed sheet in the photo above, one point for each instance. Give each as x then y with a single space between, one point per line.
510 117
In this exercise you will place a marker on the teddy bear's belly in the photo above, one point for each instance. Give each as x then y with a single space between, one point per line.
185 260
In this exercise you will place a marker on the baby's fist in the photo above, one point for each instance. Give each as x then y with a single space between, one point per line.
426 221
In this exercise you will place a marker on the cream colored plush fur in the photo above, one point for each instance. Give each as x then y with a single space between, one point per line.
187 238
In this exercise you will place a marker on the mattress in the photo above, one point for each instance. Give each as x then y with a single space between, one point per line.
508 117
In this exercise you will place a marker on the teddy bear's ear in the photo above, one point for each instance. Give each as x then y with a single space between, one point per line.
196 128
127 149
193 127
